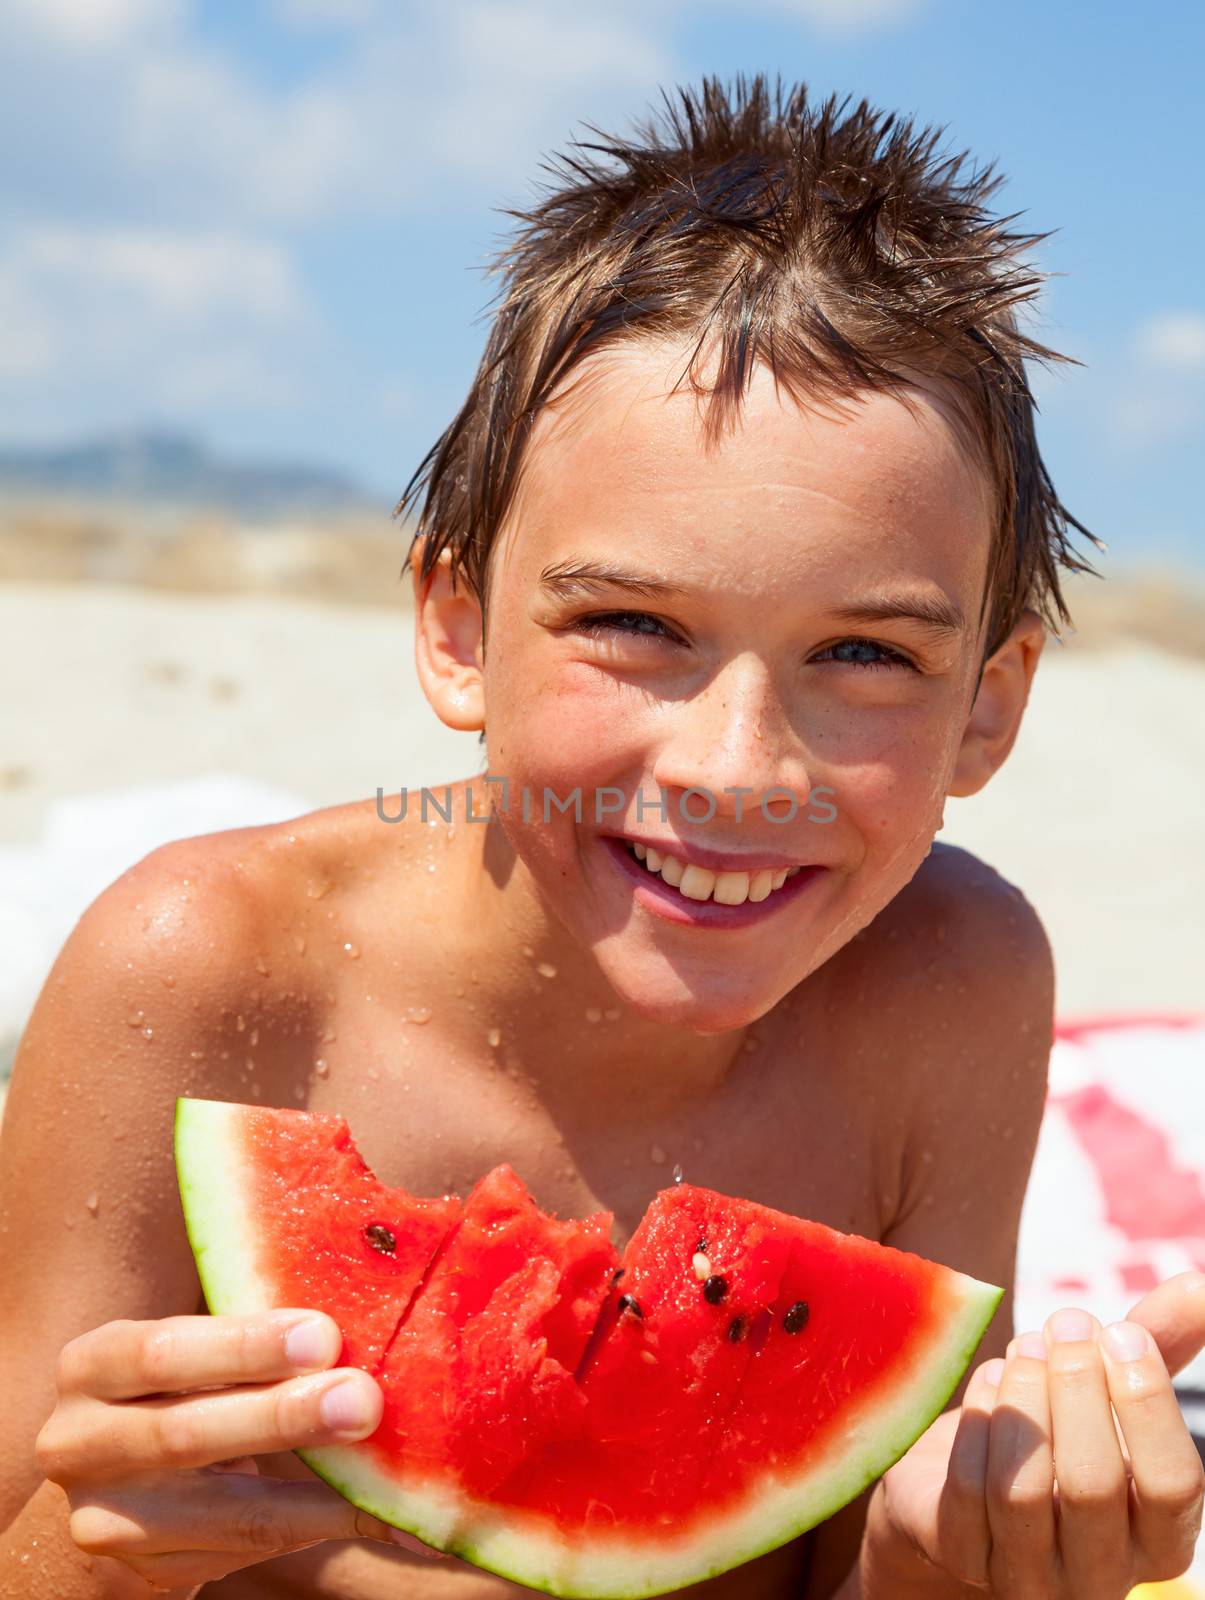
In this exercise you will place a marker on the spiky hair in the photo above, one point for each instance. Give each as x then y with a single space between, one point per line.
840 249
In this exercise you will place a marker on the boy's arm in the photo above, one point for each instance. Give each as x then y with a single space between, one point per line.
977 1060
90 1221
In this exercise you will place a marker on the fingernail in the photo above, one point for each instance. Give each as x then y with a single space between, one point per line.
415 1546
1127 1341
1068 1325
1031 1344
346 1408
993 1371
309 1343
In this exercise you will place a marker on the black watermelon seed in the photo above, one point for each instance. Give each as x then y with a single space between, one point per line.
628 1303
796 1318
714 1290
617 1274
736 1329
380 1238
701 1248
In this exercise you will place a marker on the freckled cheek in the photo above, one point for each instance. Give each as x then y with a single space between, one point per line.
560 732
896 795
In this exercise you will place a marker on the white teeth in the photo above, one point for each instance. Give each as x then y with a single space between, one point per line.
732 888
699 883
672 870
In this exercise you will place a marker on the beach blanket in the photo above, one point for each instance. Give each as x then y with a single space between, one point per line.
1116 1199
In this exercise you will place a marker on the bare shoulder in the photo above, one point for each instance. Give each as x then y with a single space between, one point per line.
182 977
959 947
975 1046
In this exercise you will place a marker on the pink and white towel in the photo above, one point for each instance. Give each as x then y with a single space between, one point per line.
1116 1201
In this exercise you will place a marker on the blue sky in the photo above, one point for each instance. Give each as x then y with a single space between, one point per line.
264 220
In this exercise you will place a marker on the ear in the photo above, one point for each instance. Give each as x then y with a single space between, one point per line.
448 644
999 705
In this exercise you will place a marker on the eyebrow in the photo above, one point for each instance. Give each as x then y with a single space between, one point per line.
934 612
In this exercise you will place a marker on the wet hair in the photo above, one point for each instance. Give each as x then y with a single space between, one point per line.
837 247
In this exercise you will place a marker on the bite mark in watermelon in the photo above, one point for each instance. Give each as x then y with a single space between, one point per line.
583 1424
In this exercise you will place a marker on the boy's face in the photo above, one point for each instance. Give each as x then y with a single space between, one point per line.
736 670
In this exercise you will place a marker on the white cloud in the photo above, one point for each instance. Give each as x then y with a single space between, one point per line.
86 24
178 318
1174 340
849 16
151 121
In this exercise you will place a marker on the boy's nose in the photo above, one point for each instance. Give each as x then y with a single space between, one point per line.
734 734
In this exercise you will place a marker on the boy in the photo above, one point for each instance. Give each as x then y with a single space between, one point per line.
762 639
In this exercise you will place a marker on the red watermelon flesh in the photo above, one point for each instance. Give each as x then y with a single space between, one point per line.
583 1424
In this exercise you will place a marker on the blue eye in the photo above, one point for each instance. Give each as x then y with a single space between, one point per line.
619 622
867 653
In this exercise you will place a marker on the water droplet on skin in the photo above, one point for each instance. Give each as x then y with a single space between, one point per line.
528 951
419 1015
593 1014
678 1174
240 1024
318 891
254 1037
657 1156
495 1038
329 1036
196 1055
136 1020
261 966
168 981
299 943
546 969
148 1033
92 1204
322 1067
352 951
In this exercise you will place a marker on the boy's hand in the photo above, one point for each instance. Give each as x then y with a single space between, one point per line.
975 1501
156 1426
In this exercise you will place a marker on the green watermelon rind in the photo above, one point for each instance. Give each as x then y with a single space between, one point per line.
599 1567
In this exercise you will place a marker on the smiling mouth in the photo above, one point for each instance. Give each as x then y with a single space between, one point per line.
700 883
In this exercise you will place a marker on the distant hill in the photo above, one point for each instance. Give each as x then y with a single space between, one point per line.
176 469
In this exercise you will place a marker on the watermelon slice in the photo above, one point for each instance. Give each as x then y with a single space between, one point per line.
582 1423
